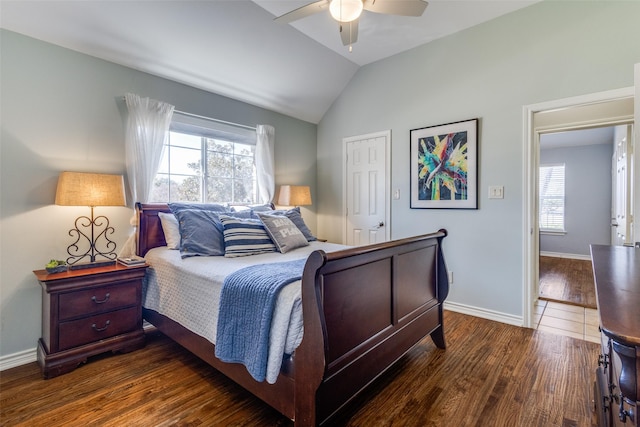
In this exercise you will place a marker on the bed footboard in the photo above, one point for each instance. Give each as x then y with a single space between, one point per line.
364 308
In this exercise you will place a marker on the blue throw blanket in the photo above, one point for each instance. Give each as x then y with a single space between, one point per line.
247 302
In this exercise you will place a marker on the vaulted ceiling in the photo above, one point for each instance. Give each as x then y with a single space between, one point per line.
234 48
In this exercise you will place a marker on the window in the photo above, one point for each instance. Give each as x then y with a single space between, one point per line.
206 161
551 187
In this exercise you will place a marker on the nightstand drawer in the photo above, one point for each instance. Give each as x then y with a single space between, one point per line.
83 331
97 300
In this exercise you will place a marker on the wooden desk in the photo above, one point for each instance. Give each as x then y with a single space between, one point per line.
616 271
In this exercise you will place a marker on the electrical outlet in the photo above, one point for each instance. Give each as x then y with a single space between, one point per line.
450 277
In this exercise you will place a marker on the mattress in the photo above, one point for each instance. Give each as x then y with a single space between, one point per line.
188 292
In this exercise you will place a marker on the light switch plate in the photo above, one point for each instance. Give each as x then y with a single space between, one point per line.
496 192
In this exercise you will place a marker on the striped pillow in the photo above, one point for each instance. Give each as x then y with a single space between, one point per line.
243 237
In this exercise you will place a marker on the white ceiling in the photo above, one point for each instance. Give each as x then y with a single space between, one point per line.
575 138
233 47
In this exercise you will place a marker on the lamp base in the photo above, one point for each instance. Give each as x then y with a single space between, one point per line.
86 235
83 265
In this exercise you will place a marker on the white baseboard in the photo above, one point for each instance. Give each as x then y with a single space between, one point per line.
484 313
28 356
562 255
18 359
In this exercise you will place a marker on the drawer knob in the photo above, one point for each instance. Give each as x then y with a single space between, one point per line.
102 301
106 325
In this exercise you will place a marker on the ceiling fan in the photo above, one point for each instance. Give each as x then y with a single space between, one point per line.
347 13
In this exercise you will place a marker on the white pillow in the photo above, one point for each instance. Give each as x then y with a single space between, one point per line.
171 229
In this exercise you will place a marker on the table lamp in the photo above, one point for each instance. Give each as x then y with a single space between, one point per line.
90 189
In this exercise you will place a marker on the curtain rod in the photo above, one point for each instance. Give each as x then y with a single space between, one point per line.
212 119
184 113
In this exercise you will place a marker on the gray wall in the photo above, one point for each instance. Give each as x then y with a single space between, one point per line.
587 198
62 110
550 50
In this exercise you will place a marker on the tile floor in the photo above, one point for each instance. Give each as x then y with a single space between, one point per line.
569 320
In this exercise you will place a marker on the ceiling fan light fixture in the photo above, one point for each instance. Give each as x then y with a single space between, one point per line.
345 10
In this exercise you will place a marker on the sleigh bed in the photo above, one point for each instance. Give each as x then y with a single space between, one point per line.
362 309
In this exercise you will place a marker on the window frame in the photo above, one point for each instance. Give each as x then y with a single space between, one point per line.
208 130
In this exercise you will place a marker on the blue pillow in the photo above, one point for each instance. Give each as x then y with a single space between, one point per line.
245 214
243 237
296 218
214 207
201 233
262 208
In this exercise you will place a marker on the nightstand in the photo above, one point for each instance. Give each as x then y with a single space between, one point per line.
87 312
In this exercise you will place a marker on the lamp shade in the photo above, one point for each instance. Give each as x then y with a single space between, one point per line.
90 189
294 195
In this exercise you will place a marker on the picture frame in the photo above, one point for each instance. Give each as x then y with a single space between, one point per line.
444 166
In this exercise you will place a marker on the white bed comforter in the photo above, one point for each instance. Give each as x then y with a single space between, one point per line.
188 291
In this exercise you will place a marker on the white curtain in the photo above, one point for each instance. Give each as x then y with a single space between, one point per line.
265 163
147 129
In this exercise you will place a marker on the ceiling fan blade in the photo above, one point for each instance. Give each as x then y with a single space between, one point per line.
303 12
349 32
396 7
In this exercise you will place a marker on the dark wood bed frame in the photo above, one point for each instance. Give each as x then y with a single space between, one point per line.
363 309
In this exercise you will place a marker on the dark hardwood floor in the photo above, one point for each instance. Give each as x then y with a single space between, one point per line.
491 374
569 281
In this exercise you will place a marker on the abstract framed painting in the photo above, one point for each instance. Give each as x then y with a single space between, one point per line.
444 166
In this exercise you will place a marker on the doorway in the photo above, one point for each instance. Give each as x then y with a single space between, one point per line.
595 110
574 209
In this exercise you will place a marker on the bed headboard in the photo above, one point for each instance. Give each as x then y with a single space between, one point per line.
149 233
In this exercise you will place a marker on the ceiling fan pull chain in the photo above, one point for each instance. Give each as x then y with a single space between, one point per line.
350 37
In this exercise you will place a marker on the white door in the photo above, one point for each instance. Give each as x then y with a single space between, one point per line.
366 216
622 187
